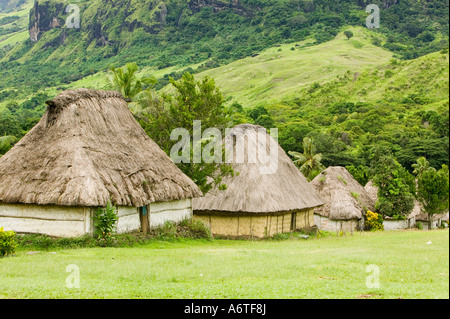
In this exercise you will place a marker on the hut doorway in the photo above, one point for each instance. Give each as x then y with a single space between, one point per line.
144 217
293 221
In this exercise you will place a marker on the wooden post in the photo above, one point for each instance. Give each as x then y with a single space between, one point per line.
144 219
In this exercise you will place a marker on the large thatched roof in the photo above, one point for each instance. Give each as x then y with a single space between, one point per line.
372 190
264 186
87 149
344 197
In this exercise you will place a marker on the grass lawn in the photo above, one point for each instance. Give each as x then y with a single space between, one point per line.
327 267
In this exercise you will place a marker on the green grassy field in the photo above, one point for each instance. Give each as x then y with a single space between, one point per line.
280 72
327 267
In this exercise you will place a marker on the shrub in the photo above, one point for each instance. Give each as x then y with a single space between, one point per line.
8 242
188 228
419 226
105 222
373 221
167 231
281 236
195 228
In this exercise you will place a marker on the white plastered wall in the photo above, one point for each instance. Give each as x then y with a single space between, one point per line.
57 221
175 211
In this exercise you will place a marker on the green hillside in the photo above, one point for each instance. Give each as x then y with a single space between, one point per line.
13 24
171 33
283 63
281 72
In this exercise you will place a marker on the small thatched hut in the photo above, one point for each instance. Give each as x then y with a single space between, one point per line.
86 150
346 201
437 221
388 222
267 195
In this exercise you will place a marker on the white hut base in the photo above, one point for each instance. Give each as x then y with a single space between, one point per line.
175 211
325 224
390 224
255 225
61 221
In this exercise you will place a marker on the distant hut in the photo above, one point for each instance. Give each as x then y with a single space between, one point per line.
265 197
86 150
392 224
438 220
346 201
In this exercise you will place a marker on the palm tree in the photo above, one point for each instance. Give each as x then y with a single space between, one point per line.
308 162
126 81
421 165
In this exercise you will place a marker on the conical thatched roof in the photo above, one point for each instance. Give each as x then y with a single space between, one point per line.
344 197
372 190
267 185
87 149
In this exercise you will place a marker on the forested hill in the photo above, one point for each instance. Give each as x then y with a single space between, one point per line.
179 32
279 63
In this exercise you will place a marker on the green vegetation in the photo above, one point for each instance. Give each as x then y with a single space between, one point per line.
373 221
327 267
433 191
396 186
308 161
346 95
126 82
105 222
192 101
8 243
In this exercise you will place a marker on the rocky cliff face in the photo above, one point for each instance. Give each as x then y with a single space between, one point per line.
45 16
48 14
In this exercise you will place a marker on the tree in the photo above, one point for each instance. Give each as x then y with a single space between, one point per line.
348 34
433 192
5 143
421 165
396 187
309 162
193 101
126 81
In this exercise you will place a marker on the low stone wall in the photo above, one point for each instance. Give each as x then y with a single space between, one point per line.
326 224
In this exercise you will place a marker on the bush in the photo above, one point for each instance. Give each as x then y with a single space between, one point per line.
373 221
8 242
188 228
105 222
195 228
419 226
168 231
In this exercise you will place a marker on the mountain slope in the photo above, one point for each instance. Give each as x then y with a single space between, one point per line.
162 34
280 72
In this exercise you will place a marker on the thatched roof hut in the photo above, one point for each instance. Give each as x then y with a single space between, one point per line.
265 196
346 201
88 149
